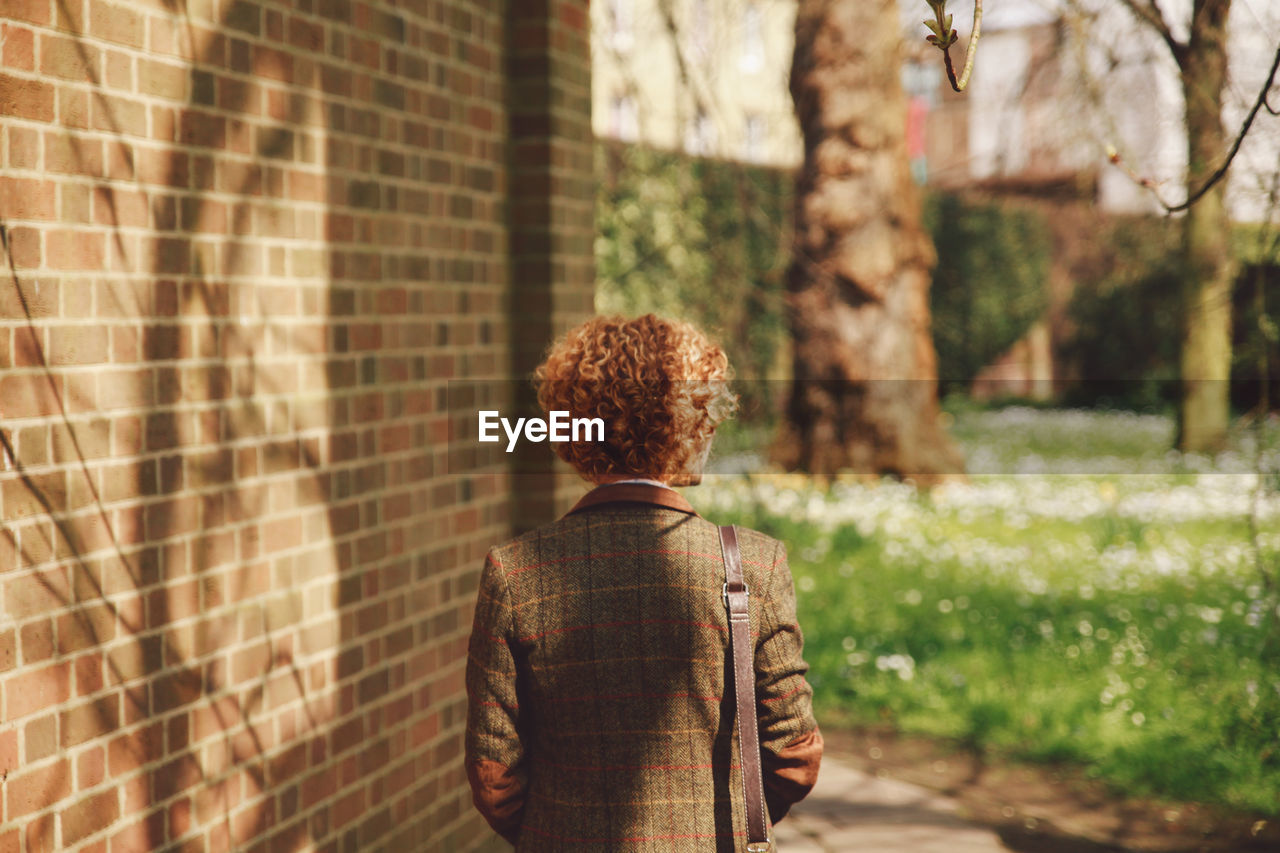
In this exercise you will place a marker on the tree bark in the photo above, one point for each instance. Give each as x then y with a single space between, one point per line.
864 395
1210 266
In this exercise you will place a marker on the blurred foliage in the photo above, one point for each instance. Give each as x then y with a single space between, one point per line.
989 285
706 241
1127 320
1256 334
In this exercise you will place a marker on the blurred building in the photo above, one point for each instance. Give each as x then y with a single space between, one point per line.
708 77
1052 88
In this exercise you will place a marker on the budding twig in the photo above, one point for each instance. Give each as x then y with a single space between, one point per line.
943 37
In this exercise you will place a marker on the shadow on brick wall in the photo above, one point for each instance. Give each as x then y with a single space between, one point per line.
198 586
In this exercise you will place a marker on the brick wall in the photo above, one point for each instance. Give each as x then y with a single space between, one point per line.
245 248
552 218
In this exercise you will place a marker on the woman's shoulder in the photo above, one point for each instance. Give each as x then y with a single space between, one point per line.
583 532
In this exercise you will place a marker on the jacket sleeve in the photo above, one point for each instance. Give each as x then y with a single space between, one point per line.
494 751
790 743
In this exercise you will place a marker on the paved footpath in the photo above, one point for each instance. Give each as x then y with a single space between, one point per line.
850 810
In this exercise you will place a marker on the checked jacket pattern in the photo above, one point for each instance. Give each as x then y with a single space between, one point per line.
599 712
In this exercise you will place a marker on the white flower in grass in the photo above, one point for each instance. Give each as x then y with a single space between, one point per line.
904 665
1212 615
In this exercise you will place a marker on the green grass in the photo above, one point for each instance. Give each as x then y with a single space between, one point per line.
1116 620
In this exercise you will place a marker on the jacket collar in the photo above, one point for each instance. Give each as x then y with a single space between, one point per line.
636 493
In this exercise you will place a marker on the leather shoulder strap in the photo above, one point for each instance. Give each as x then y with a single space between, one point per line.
744 688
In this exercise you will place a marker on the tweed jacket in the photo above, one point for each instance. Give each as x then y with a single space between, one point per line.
599 712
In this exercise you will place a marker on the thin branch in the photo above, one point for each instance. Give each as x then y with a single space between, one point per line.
1149 13
1226 163
944 37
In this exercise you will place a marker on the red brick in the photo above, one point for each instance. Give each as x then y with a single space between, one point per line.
34 789
91 768
88 672
25 198
32 11
163 79
72 155
89 815
119 70
119 206
37 641
116 23
24 251
180 817
129 751
73 110
23 98
75 250
41 737
119 114
120 159
85 627
24 148
125 389
40 834
145 834
8 751
203 129
26 396
33 593
68 58
78 344
8 640
90 720
19 47
31 690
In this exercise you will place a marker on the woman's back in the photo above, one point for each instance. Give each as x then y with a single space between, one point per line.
613 621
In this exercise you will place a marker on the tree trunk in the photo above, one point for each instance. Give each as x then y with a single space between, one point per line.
1209 263
865 372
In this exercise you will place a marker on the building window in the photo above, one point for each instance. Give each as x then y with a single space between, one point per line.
752 57
753 138
700 135
624 119
621 24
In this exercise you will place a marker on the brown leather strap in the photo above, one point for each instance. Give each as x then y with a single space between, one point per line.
744 688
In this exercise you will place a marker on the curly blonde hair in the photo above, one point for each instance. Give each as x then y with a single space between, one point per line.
659 385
